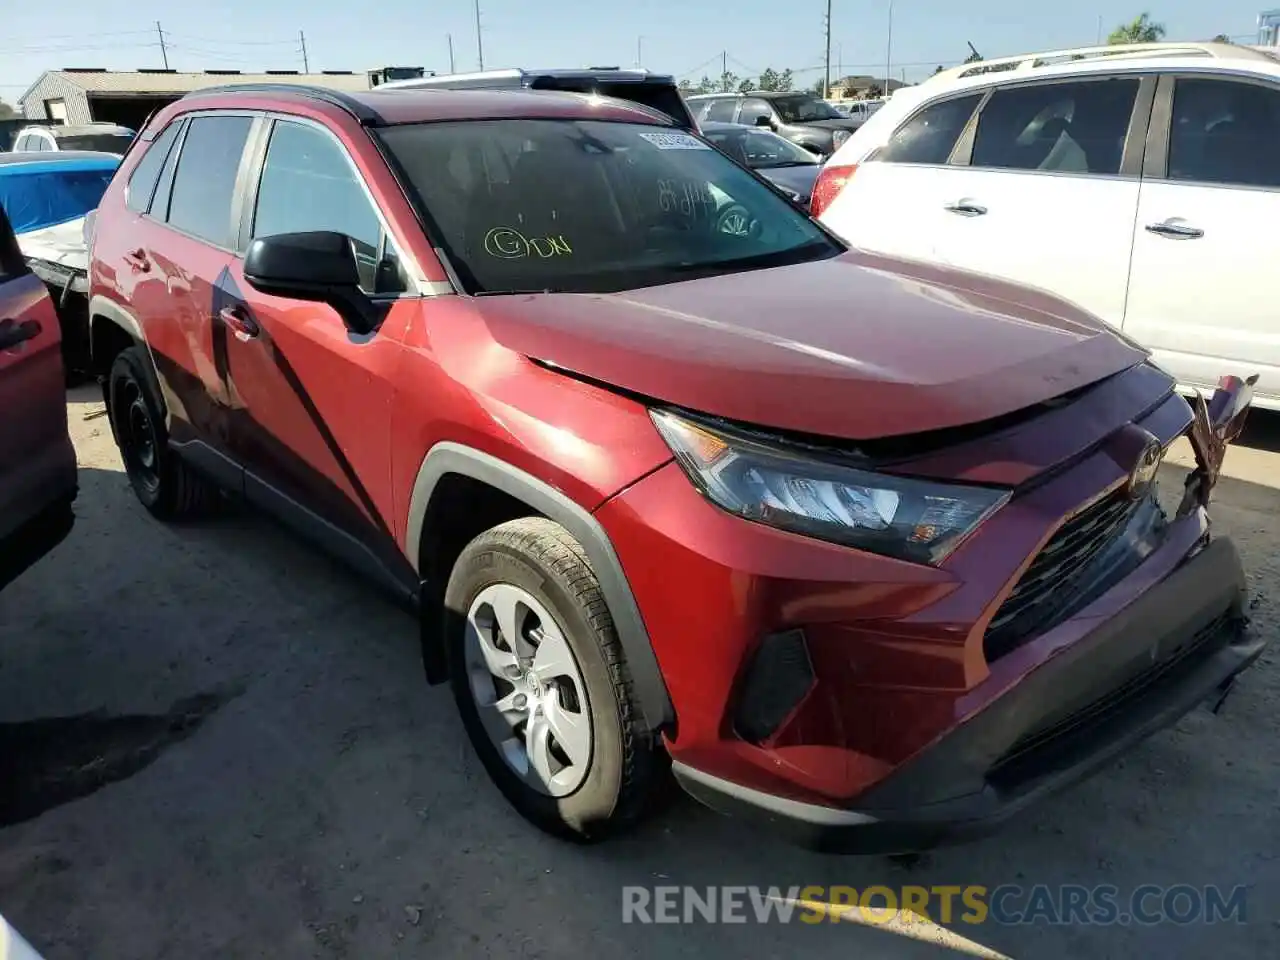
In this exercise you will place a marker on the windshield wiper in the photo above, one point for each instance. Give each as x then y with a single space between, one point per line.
512 293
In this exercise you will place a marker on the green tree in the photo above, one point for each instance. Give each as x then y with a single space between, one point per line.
1142 29
1221 38
771 79
939 70
6 111
728 82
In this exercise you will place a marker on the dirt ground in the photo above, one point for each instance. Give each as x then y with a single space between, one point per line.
216 743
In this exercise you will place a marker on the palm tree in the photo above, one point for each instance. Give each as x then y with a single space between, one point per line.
1140 30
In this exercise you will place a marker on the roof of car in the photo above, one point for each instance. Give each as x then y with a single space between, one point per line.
79 130
388 107
765 94
86 157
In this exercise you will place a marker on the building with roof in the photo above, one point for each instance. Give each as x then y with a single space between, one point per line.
128 97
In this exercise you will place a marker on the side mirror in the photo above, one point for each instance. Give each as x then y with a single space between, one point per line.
764 120
319 266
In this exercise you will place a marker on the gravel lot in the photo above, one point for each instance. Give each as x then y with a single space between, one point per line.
261 772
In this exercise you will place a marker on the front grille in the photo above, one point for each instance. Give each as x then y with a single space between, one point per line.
1065 576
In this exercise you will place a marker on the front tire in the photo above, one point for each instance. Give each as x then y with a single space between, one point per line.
164 484
542 684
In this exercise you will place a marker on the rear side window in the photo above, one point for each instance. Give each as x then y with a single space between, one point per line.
1225 132
720 111
142 182
930 135
1076 127
204 184
753 109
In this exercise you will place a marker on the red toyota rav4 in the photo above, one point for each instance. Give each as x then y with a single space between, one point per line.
868 548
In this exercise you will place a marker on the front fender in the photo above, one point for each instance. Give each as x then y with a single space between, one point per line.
447 458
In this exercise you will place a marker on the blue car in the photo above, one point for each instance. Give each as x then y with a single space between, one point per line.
46 196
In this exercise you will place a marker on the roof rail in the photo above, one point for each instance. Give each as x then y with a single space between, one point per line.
358 109
1030 61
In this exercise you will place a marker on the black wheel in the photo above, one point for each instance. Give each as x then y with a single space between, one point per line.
167 487
542 684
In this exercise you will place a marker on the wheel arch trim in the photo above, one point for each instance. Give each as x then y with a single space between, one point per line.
447 458
105 310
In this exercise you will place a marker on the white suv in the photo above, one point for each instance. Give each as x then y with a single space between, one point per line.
1141 182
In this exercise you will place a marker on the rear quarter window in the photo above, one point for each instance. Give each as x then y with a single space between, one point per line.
930 135
142 181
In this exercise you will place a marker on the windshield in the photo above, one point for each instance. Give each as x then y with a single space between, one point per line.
803 109
37 197
760 149
593 206
106 142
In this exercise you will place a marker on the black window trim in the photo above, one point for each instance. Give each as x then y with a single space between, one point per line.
1156 160
175 152
177 123
248 190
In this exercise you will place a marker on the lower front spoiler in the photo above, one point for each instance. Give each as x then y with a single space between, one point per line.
1183 642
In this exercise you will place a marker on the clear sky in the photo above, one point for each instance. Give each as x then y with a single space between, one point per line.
685 37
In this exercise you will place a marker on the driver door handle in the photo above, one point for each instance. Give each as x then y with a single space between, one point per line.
965 208
241 324
1175 228
13 334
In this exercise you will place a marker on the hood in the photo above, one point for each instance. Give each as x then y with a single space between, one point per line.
800 179
62 244
854 347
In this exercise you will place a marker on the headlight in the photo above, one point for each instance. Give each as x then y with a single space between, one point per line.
915 520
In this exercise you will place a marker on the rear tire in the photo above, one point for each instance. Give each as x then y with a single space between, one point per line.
164 484
563 672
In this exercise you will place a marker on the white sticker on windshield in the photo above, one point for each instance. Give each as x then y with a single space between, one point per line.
675 141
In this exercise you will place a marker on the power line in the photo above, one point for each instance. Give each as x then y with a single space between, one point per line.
76 48
233 43
80 36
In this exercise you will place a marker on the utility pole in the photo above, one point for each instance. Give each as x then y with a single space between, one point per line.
724 70
826 64
479 38
888 54
639 52
1099 29
449 37
302 38
164 51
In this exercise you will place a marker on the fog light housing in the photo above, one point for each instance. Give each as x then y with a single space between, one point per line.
776 681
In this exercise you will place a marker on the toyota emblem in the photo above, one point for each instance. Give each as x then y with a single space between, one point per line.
1144 471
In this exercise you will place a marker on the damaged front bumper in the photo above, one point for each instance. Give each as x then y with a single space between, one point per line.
1115 678
1215 425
